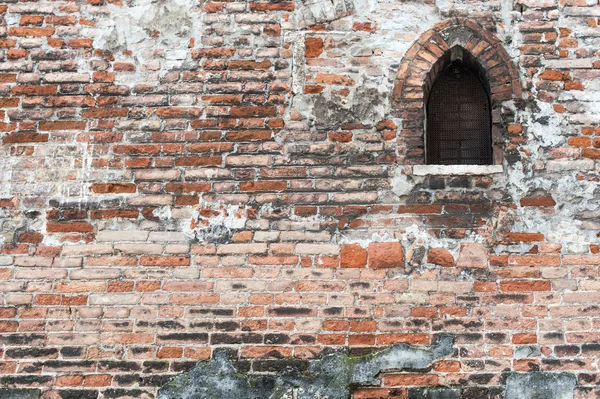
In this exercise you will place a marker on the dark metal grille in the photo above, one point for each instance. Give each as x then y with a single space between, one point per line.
458 120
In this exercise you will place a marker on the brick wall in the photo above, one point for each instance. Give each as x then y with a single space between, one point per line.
181 177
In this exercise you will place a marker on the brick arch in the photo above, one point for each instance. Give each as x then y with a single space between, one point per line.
428 56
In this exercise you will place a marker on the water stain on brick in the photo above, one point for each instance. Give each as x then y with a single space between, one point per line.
333 376
540 385
433 393
19 393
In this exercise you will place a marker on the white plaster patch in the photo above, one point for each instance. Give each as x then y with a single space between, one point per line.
401 184
163 212
228 219
133 27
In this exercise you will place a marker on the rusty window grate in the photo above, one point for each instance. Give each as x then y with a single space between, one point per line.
458 119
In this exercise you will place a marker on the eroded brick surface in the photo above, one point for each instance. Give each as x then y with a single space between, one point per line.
178 177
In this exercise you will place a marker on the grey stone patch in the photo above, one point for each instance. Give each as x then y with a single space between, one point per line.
434 393
415 254
457 36
217 234
527 351
86 203
369 105
19 393
173 19
332 377
330 114
219 229
540 385
311 12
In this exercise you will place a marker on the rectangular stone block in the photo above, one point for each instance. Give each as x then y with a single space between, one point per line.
139 248
6 260
167 236
317 249
91 249
241 249
122 235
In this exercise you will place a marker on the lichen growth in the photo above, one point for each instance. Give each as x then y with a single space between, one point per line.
540 385
333 376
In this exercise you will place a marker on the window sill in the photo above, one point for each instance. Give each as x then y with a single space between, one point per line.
457 170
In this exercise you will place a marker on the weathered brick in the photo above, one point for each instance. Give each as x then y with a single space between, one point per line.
385 254
252 187
353 256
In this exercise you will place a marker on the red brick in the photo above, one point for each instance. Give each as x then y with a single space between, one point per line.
364 27
424 312
538 201
13 138
267 6
480 286
7 43
97 380
80 43
525 285
332 79
179 112
252 111
36 32
524 338
591 153
336 325
8 326
115 188
69 380
249 65
379 393
31 237
353 256
124 67
410 380
385 255
524 237
164 261
8 77
331 339
440 256
549 74
340 137
574 86
198 161
169 353
263 186
314 47
581 141
447 366
62 125
32 90
80 227
115 213
313 89
416 339
105 113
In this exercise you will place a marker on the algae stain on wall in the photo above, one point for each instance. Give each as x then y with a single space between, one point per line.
333 376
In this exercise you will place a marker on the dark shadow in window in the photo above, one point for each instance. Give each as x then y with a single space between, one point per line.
459 119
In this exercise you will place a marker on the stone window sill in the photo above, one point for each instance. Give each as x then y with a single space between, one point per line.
457 170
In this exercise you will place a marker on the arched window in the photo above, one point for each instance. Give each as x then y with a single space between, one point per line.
458 127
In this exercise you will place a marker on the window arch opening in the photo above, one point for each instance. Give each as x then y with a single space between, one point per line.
458 128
